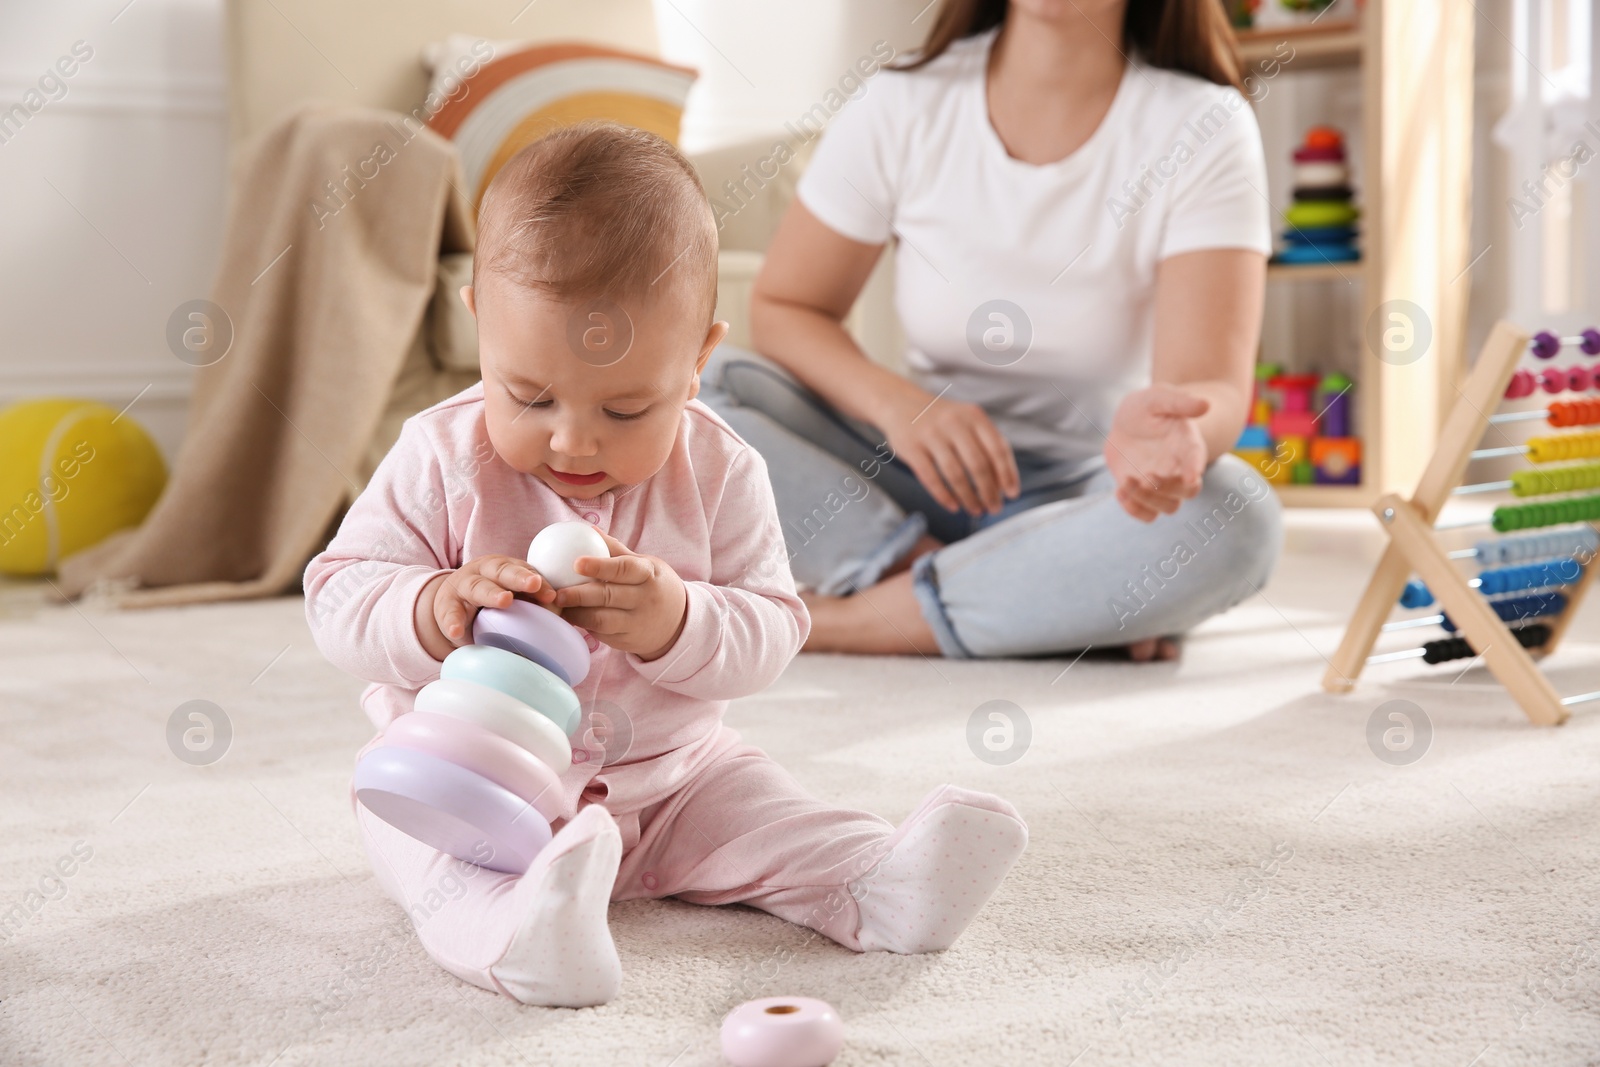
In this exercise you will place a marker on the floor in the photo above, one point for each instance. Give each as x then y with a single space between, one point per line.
1226 864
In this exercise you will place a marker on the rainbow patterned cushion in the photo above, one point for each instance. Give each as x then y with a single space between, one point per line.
516 98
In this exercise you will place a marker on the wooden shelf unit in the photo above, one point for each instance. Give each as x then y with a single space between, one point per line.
1333 45
1349 272
1414 218
1324 496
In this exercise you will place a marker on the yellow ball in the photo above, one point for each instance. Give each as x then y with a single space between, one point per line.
71 474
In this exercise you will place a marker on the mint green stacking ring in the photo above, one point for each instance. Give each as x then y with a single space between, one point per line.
516 677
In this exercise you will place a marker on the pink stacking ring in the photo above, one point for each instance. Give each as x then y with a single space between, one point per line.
451 809
782 1032
498 713
535 633
466 744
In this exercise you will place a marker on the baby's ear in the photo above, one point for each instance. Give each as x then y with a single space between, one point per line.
714 337
466 298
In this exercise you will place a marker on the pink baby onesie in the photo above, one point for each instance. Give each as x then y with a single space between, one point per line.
680 806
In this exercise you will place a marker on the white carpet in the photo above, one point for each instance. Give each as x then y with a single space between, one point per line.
1446 912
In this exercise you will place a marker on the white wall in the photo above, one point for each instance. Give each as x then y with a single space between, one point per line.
763 63
111 199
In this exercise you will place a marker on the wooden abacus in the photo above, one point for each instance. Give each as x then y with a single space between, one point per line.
1549 572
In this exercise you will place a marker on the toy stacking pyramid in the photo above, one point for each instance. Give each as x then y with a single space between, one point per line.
474 769
1321 222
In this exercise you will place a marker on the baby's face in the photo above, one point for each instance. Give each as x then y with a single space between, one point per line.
587 396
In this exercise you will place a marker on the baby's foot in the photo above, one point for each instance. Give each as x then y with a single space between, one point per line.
561 954
938 870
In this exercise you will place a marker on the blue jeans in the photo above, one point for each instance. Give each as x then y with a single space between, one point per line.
1061 567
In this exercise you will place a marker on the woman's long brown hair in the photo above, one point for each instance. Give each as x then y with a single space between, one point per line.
1187 35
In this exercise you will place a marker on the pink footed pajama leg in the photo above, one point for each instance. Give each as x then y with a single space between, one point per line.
745 831
938 870
540 938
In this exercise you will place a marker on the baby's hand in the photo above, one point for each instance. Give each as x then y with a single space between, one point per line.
486 582
634 604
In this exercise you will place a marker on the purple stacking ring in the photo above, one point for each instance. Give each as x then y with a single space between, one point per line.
535 633
450 808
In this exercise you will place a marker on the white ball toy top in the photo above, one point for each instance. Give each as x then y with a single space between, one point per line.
556 547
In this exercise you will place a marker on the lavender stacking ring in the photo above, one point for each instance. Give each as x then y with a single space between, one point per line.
535 633
449 808
469 745
782 1032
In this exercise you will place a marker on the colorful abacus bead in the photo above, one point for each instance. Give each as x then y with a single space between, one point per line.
1580 379
1552 379
1536 635
1563 446
1545 344
1520 609
1581 542
1565 413
1542 481
1522 384
1591 342
1416 595
1527 576
1545 574
1531 516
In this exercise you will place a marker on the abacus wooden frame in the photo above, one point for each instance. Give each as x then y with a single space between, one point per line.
1414 548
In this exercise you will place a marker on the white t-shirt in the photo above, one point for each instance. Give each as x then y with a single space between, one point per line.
1029 290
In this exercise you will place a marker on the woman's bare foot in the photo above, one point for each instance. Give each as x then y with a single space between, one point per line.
882 620
1153 650
924 545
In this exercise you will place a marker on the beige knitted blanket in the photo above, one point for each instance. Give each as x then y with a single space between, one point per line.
336 222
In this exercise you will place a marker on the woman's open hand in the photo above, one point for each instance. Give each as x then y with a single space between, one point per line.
956 452
1155 450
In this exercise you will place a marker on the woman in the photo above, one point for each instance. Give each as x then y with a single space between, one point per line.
1078 192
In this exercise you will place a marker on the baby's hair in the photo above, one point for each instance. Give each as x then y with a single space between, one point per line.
598 210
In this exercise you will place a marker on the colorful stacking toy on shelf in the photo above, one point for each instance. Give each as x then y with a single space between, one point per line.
1300 429
1321 221
474 769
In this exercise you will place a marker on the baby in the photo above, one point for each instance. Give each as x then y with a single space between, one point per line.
594 290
